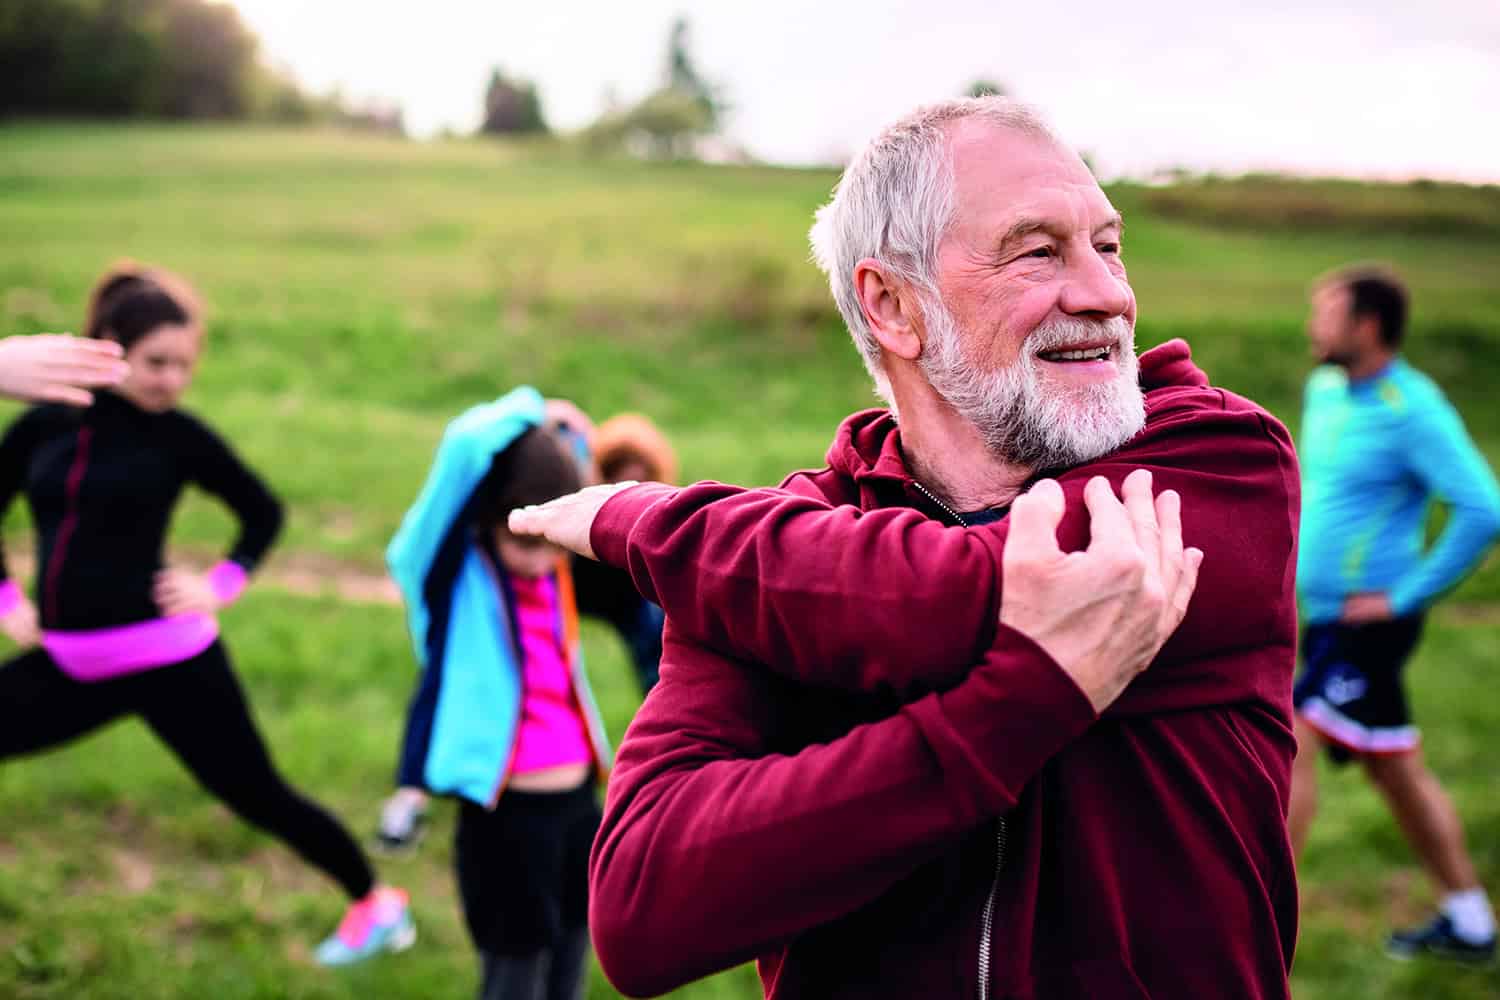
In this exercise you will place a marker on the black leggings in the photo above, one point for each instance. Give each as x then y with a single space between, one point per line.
554 974
197 709
523 878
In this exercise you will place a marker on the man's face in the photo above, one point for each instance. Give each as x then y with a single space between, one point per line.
1331 326
1033 340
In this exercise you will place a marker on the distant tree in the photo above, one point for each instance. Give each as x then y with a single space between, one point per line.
210 62
683 77
143 58
669 121
75 56
511 106
986 88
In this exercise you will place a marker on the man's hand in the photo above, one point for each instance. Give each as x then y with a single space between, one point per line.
20 624
1103 613
567 520
1367 609
183 592
57 368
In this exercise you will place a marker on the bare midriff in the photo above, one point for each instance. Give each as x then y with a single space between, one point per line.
562 778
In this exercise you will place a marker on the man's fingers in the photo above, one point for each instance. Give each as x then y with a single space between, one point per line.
539 520
1034 517
1140 506
525 521
89 371
65 394
1169 527
75 344
1169 523
1109 524
565 521
1187 582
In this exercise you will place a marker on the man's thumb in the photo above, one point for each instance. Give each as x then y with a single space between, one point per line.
1034 518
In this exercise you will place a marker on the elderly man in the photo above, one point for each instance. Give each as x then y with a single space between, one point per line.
857 772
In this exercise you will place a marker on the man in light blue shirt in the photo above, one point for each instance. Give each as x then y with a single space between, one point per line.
1379 442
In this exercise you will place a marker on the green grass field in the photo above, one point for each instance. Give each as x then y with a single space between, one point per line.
363 290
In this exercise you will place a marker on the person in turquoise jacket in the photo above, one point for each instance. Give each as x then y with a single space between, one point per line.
1379 443
502 718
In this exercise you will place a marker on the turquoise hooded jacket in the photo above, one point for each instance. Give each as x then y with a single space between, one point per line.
462 725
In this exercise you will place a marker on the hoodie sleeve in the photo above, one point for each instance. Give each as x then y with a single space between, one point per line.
892 601
699 796
834 596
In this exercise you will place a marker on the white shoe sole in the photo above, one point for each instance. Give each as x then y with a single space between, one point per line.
403 938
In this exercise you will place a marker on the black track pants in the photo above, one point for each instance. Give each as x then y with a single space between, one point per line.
197 709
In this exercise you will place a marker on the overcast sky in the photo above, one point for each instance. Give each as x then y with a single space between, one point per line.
1380 88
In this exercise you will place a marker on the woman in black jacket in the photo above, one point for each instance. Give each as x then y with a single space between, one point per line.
114 632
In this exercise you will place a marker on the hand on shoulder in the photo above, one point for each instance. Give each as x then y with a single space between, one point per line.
1105 612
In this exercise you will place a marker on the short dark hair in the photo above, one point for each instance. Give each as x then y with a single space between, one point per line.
1378 292
535 468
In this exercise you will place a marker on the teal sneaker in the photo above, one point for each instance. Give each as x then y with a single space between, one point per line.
379 922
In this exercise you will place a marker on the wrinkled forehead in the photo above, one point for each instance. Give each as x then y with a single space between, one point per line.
1002 174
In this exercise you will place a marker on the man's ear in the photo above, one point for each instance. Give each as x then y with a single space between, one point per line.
1367 332
890 307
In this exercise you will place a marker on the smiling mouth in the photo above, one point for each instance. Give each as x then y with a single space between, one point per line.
1079 354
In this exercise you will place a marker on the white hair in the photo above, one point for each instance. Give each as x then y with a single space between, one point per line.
894 203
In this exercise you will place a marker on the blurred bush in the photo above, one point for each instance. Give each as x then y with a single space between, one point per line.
182 59
511 106
1269 201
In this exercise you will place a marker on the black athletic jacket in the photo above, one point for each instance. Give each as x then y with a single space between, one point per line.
102 483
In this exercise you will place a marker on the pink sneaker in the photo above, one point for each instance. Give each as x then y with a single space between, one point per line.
379 922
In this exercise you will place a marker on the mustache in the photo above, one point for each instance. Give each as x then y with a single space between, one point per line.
1073 330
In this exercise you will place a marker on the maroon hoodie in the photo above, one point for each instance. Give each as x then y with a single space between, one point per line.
851 772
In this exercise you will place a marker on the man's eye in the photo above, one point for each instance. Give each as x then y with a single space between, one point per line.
1040 253
1111 248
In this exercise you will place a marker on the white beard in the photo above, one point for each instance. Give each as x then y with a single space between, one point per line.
1024 420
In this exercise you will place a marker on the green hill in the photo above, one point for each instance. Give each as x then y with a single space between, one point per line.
362 290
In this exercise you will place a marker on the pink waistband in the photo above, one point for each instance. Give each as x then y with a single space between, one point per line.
10 596
101 653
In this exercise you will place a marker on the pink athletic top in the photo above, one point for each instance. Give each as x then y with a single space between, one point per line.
552 730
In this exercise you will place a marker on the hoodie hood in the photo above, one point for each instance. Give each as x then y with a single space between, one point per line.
867 446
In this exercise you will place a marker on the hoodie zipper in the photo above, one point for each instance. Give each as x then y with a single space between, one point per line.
987 917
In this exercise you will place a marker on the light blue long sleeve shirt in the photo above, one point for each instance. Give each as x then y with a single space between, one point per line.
1375 452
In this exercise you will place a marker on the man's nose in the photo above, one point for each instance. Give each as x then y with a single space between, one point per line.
1092 289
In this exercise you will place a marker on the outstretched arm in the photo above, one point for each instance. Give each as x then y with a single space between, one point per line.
891 600
746 572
